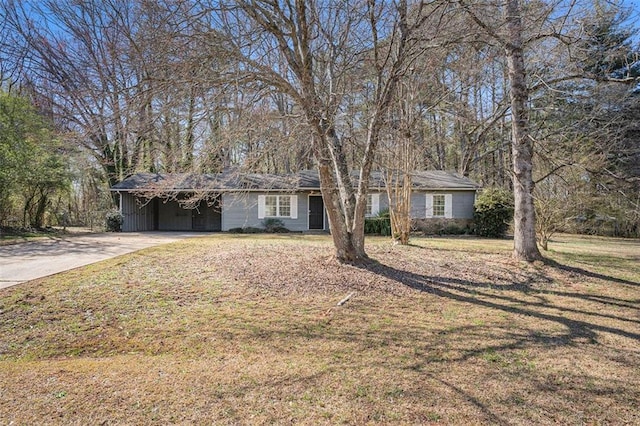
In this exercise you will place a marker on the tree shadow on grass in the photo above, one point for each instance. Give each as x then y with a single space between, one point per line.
586 273
486 295
582 325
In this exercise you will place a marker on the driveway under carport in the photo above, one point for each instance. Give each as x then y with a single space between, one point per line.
30 260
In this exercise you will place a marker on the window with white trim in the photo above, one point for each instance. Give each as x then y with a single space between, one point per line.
439 205
277 206
284 206
271 205
373 205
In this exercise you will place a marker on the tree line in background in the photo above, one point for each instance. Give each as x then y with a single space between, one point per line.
537 97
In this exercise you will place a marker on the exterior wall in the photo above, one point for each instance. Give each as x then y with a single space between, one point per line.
136 218
462 213
240 210
213 218
462 203
171 217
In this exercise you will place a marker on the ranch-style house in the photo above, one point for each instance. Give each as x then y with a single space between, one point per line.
228 200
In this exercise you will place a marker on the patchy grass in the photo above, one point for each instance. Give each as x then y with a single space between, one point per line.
13 235
245 330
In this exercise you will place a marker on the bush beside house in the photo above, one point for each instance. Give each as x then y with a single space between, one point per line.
442 226
379 224
493 212
114 221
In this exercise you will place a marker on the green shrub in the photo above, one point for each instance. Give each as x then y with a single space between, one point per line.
493 211
274 225
114 221
274 228
279 230
252 230
379 224
454 230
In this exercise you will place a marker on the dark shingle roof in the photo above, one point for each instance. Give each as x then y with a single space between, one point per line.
228 180
232 180
439 179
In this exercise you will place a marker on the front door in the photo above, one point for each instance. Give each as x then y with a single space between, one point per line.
316 212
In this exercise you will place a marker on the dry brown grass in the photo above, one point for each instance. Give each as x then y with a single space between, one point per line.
245 330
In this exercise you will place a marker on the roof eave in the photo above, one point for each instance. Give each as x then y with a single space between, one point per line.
164 190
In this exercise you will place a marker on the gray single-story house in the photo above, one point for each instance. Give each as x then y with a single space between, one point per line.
227 200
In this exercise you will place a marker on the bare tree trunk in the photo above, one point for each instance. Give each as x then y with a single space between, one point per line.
339 196
398 187
315 77
524 237
41 208
188 147
345 248
400 163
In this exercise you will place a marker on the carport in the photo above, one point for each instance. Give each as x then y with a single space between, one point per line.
153 202
175 213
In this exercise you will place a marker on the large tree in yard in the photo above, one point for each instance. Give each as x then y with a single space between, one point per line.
316 53
524 217
509 34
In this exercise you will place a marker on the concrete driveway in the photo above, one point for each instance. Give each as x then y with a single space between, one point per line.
35 259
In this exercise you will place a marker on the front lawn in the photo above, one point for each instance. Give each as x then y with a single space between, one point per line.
236 329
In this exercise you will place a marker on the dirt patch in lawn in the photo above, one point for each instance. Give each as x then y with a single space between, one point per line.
246 330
